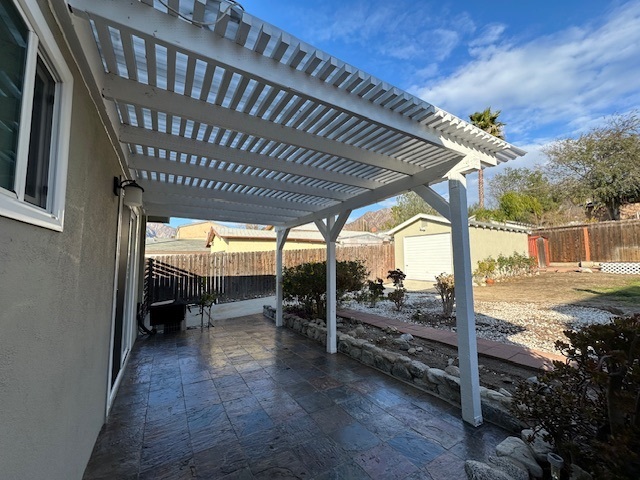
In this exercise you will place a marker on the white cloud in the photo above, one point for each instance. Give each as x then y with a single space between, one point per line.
402 29
490 34
569 78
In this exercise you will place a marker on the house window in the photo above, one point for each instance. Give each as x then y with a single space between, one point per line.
35 110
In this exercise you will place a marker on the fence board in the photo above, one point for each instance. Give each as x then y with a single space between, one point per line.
237 276
617 241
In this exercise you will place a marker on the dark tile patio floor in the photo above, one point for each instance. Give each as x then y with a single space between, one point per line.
246 400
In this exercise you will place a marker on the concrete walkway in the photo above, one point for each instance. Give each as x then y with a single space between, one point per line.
515 354
230 310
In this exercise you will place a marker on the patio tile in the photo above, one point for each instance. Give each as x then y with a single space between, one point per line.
224 459
332 418
345 471
385 462
354 437
416 448
447 467
314 402
246 400
320 454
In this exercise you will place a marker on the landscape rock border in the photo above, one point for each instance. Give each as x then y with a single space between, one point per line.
495 405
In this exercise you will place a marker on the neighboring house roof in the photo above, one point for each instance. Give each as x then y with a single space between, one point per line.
171 246
506 226
304 233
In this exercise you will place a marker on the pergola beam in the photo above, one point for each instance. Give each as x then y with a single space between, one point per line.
133 93
172 167
205 193
434 199
429 175
171 143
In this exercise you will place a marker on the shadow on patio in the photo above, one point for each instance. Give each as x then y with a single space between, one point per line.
247 400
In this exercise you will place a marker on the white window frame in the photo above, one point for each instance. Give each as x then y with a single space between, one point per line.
42 44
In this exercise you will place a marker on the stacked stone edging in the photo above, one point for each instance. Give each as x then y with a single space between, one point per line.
495 405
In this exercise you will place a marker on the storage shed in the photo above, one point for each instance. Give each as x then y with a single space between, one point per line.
423 244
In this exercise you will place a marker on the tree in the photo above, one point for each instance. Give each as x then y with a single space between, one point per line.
520 207
602 166
536 197
409 205
487 121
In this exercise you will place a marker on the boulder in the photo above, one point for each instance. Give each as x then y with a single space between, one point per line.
482 471
452 370
538 446
516 472
367 357
435 375
515 449
418 369
407 337
411 351
402 344
360 330
400 370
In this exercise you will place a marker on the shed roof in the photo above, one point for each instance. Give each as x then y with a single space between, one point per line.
506 226
220 115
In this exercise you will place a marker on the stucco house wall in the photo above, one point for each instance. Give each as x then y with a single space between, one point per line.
484 241
194 230
56 293
487 242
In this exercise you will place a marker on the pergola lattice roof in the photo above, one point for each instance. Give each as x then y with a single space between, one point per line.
222 116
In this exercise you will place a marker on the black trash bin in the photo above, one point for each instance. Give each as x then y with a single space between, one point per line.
170 314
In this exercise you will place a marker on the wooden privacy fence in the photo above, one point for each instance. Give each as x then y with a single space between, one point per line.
616 241
238 276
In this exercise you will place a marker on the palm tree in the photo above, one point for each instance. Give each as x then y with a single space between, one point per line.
487 121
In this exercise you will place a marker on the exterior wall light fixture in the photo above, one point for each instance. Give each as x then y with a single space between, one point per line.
132 191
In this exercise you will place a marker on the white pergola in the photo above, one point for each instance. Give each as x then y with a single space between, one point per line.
221 116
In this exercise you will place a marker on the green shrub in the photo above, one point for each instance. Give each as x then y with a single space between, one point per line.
486 269
446 288
305 285
515 265
589 406
375 291
399 295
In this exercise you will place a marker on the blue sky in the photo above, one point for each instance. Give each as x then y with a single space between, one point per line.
554 69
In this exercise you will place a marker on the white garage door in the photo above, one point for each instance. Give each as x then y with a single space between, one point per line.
427 256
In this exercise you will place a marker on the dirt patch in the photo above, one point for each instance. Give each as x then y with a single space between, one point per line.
494 374
597 290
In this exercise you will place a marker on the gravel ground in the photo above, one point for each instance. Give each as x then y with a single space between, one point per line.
535 326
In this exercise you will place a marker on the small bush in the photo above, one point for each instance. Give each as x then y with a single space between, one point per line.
375 291
486 269
305 285
590 405
445 286
503 267
399 295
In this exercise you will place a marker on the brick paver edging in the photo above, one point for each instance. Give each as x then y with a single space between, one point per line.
510 353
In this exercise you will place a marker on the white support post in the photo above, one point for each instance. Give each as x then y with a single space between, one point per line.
330 231
332 340
281 237
465 317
